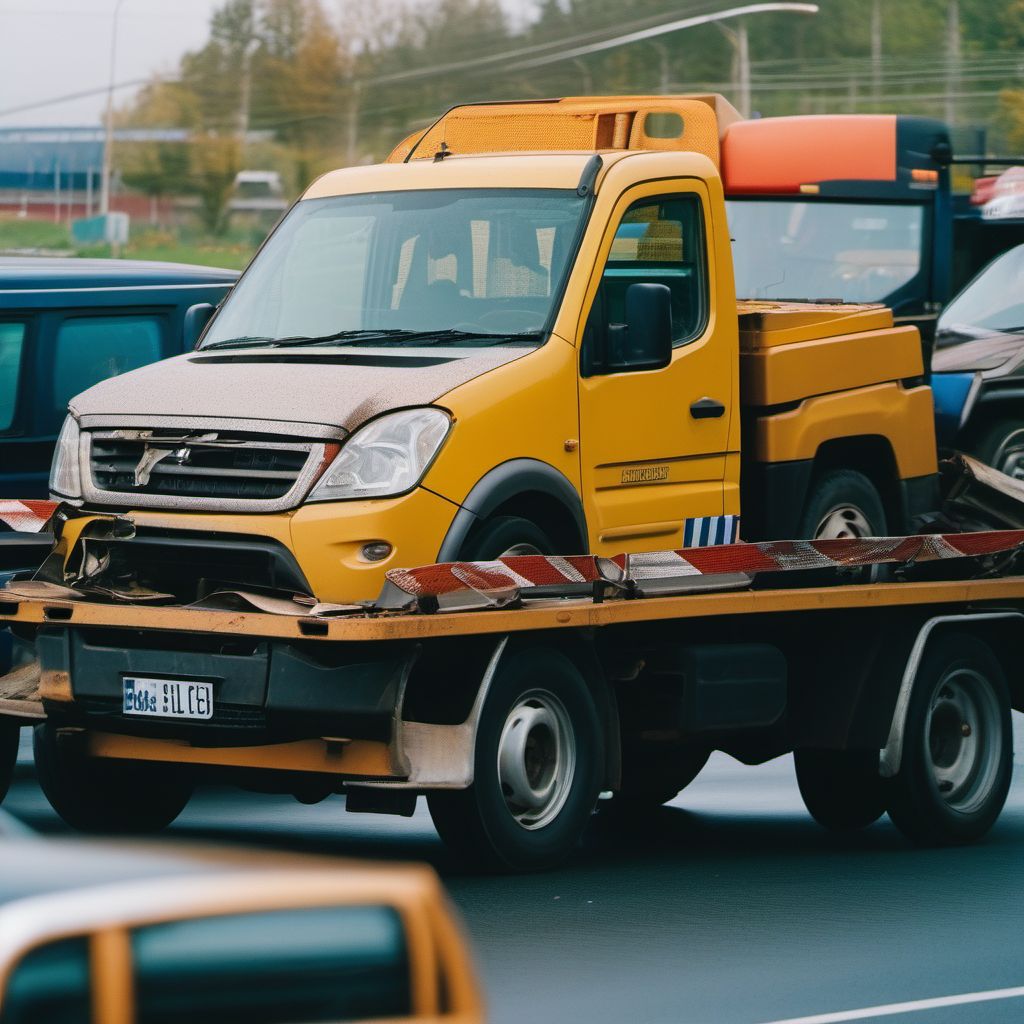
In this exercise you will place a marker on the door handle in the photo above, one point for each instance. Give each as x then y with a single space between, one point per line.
706 409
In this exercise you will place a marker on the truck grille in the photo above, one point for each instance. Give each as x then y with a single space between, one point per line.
212 471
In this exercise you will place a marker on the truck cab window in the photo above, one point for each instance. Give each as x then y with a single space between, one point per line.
12 341
658 241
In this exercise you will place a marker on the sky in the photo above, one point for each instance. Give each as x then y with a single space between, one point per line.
51 48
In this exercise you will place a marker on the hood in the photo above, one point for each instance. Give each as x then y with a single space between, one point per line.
339 388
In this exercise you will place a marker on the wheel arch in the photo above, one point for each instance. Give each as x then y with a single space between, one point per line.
873 456
1000 629
528 488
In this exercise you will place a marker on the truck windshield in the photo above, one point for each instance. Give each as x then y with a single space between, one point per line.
480 266
807 249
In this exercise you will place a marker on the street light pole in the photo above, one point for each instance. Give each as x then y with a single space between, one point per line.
108 141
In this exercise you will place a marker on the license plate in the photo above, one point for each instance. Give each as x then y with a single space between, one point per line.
167 698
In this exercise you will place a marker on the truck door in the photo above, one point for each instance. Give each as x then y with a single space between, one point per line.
653 443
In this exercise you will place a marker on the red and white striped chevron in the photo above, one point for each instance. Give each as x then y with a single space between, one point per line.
26 516
507 576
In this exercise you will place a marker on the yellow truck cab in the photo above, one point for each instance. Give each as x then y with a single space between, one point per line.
519 334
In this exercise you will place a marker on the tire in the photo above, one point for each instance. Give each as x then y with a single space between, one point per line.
106 797
841 789
519 815
9 737
842 503
952 782
506 535
652 777
1001 445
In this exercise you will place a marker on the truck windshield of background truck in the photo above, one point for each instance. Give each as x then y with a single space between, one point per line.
479 266
820 249
983 327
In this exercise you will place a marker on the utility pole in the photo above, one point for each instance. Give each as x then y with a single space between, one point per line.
245 96
952 59
108 142
876 51
740 42
354 96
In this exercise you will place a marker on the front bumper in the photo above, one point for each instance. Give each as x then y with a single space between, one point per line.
264 691
316 547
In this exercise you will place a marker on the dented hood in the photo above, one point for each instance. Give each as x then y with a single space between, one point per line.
337 388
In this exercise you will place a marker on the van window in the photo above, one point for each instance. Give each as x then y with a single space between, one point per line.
90 349
312 965
12 341
50 983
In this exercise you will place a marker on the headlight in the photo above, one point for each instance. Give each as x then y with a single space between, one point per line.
386 457
65 475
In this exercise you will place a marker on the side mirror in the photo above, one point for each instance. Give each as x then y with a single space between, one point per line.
196 318
644 342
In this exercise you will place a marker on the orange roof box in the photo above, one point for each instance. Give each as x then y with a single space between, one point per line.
776 155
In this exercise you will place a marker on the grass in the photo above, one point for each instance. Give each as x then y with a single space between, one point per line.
233 250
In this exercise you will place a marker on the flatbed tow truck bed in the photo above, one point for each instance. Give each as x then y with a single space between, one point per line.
514 712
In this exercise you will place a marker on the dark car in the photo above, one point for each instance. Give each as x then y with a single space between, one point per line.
66 324
978 367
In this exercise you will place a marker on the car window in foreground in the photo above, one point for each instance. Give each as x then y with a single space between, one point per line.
51 984
312 965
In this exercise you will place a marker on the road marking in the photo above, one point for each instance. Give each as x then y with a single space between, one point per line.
891 1009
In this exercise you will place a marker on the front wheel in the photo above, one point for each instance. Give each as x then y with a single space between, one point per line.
538 768
1001 446
841 789
842 504
505 537
957 745
103 796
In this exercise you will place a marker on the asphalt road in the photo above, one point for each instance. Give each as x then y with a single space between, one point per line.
729 906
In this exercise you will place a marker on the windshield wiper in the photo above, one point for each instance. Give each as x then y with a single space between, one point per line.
321 339
396 335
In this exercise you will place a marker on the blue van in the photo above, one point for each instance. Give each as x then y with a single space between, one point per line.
66 324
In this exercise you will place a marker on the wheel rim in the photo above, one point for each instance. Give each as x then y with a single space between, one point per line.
1009 456
520 549
536 759
963 739
842 522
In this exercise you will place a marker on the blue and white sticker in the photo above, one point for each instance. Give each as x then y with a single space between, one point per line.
705 531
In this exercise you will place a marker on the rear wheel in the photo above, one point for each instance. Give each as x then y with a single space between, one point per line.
104 796
957 756
538 768
842 504
504 537
1001 446
841 789
9 737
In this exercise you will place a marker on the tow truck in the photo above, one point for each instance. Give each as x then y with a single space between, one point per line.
580 381
513 692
